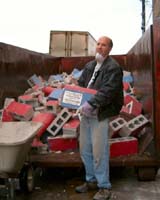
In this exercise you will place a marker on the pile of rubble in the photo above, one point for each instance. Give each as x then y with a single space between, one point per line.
54 103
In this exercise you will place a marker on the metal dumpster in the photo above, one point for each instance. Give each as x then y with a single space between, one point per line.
142 60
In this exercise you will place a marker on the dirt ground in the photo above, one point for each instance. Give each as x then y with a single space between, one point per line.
59 184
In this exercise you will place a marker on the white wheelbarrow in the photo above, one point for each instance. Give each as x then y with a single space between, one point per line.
15 143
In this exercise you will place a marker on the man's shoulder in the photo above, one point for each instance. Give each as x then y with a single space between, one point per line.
90 64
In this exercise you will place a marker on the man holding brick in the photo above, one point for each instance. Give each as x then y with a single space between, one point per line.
104 75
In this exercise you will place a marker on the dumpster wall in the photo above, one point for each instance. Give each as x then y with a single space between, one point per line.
156 49
143 60
17 65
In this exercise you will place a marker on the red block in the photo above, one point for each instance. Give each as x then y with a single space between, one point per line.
20 111
126 86
128 99
53 106
72 124
47 90
71 128
45 119
61 144
6 117
80 89
123 146
135 107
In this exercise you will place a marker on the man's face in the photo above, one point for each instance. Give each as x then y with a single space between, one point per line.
103 46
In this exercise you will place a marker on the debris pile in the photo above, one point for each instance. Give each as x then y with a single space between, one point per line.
54 103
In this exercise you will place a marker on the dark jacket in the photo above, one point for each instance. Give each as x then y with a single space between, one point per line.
108 82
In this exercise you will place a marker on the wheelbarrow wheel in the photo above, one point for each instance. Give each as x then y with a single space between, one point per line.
26 179
11 189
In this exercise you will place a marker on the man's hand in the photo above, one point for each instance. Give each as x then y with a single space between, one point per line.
87 110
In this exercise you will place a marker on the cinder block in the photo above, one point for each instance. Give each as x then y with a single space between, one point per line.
123 146
53 106
74 96
28 99
47 90
35 80
71 128
115 126
46 119
126 87
134 107
76 73
55 94
59 121
7 101
20 111
62 144
128 98
42 100
134 126
6 116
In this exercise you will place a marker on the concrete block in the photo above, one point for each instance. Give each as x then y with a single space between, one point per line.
135 107
47 90
126 87
55 94
134 126
59 121
29 99
71 128
20 111
123 146
53 106
128 98
46 119
35 80
74 96
62 144
115 126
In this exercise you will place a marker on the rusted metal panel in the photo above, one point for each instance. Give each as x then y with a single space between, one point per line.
69 63
72 159
18 64
156 9
156 34
140 64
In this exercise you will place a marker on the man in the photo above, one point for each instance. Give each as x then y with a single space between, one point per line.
104 75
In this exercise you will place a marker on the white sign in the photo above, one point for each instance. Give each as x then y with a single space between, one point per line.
74 98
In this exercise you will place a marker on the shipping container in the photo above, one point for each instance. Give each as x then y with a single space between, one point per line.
71 43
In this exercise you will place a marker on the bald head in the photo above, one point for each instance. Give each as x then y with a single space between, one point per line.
104 45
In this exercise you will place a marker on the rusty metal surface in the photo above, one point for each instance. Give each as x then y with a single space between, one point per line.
139 63
66 159
69 63
18 64
156 34
156 9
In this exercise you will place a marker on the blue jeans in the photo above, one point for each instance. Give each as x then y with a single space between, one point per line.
94 150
